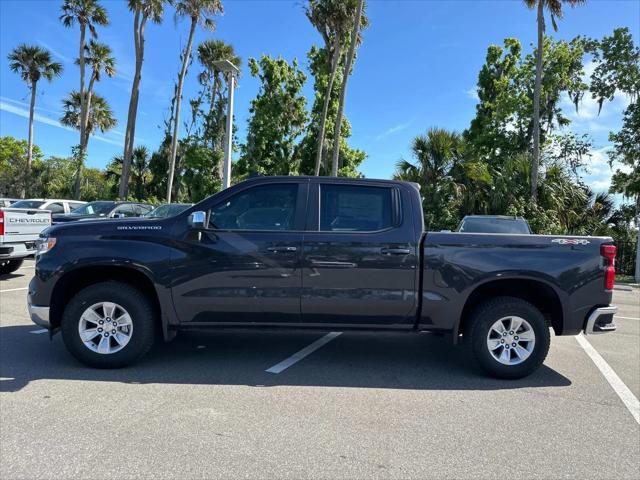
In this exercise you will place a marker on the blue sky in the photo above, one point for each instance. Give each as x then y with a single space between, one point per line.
417 68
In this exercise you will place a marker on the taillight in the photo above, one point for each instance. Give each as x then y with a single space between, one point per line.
609 254
1 222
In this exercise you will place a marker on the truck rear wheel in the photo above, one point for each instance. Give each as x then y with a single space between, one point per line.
509 337
10 266
108 325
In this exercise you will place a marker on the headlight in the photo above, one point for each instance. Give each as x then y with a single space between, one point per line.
44 245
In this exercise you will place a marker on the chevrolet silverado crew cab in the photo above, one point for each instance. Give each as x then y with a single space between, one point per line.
317 253
19 232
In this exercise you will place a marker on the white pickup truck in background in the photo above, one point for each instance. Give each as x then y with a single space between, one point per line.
19 231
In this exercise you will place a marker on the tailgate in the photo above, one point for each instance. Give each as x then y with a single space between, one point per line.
22 224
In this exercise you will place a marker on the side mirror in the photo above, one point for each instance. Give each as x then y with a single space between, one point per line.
197 219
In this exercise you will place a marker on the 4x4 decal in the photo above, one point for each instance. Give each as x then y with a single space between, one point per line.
571 241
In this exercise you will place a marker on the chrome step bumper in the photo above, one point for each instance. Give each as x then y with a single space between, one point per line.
601 321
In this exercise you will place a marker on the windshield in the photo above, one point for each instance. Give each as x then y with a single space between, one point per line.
94 208
495 225
164 211
27 204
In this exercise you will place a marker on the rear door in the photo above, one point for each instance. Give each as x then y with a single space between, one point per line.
360 259
245 265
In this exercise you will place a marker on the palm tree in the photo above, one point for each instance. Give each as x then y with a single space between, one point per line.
139 170
143 10
355 39
210 52
331 18
32 63
88 14
555 9
98 57
100 117
200 12
437 155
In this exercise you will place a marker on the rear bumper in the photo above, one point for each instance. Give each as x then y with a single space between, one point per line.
600 320
9 251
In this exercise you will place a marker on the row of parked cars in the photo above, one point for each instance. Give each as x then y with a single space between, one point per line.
21 221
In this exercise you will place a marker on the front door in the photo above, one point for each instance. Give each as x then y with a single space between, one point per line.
245 265
360 256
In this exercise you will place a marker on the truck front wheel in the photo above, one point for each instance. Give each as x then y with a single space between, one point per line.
509 337
108 325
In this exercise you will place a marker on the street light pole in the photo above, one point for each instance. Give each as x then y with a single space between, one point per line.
231 73
228 134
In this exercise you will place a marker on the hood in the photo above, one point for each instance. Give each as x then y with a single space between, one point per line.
92 226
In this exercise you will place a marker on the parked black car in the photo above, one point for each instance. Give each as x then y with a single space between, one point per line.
167 210
494 224
323 253
104 209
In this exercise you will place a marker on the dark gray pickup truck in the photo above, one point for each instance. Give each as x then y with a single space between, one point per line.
317 253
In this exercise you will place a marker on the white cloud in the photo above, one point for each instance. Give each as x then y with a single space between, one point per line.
600 185
56 53
26 105
23 112
392 130
472 93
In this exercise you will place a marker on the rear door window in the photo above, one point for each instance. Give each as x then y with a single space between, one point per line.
55 207
126 210
355 208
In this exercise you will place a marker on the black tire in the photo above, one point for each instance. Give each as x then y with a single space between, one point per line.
495 309
10 266
140 310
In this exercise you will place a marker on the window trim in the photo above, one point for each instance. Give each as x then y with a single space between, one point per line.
298 214
396 210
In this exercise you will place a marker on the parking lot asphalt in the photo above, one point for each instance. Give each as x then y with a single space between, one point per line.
360 405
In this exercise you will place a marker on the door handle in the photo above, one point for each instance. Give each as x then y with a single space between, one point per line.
395 251
282 249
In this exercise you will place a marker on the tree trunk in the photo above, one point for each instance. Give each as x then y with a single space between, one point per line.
27 174
343 90
138 40
535 159
83 128
176 125
84 140
327 99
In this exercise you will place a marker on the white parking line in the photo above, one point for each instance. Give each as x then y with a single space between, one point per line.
44 330
14 289
627 318
296 357
628 398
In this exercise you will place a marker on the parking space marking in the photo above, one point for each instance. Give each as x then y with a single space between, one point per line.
14 289
627 318
296 357
628 398
44 330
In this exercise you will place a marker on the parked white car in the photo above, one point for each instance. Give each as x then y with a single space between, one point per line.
19 231
54 205
7 202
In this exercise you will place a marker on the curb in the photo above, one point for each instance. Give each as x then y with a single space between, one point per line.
624 288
